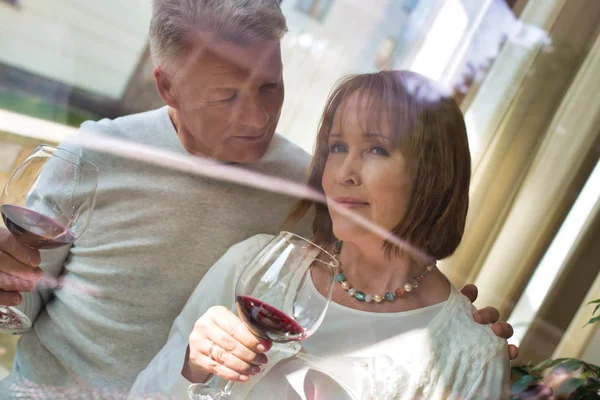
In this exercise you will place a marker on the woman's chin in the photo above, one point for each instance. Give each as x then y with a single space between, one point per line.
347 231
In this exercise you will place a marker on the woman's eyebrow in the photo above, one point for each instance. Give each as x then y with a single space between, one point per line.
375 134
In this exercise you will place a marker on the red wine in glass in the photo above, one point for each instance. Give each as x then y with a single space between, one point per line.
46 203
34 229
267 322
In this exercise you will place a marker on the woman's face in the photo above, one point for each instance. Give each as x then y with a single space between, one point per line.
364 173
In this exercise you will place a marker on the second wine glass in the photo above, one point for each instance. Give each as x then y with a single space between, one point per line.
280 295
47 203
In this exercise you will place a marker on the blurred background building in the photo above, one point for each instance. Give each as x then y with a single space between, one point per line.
525 73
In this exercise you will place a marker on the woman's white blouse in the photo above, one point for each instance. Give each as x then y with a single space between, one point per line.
436 352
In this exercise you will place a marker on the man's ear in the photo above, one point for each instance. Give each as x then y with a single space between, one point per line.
165 89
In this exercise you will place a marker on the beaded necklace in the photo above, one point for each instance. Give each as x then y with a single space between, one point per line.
389 296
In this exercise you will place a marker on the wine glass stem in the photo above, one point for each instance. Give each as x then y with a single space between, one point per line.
228 388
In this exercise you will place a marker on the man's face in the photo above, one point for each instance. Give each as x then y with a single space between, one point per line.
228 99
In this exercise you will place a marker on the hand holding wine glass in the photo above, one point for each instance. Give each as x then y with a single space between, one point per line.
223 345
281 296
47 203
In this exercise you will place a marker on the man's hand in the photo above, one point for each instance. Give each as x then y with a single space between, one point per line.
489 315
19 269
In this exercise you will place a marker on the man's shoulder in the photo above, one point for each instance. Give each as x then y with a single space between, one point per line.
130 127
286 159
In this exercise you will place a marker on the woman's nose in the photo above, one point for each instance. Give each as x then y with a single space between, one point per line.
349 172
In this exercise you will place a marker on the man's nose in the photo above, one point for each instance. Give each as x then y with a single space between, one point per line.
253 113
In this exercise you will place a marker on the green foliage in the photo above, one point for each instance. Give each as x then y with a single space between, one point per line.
44 109
583 384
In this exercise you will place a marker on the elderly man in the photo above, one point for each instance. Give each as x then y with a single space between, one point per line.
155 232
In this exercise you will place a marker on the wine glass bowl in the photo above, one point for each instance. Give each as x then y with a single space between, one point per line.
47 203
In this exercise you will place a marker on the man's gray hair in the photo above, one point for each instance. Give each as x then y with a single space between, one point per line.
238 21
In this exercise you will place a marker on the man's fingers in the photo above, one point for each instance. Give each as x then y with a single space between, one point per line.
513 352
487 315
21 253
14 267
503 330
470 291
11 283
10 298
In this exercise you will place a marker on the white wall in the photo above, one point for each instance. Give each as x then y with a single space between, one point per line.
92 44
316 54
592 352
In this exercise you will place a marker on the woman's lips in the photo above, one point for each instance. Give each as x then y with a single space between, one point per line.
350 202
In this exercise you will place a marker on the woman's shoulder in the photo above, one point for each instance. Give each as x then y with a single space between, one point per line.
458 330
242 252
253 243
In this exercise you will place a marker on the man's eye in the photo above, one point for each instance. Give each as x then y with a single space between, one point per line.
270 86
230 98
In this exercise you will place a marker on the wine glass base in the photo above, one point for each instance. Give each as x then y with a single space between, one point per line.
199 391
13 320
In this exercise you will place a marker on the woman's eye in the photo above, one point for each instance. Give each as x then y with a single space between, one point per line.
380 151
337 148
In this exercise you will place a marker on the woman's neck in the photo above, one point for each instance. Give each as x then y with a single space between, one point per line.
368 268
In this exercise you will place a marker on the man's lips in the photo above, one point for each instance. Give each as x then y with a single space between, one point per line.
252 138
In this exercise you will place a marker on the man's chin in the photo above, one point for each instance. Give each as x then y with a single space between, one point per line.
249 153
247 156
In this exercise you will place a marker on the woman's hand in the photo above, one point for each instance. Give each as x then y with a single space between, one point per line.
489 315
222 344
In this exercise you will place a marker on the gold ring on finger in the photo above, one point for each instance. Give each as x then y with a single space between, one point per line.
210 351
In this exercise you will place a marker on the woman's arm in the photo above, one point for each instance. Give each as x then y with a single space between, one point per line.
217 288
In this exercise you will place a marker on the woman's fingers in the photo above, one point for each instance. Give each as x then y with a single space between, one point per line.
236 329
214 367
223 345
228 344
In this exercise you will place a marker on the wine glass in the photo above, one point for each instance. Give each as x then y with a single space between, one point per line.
46 203
281 295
